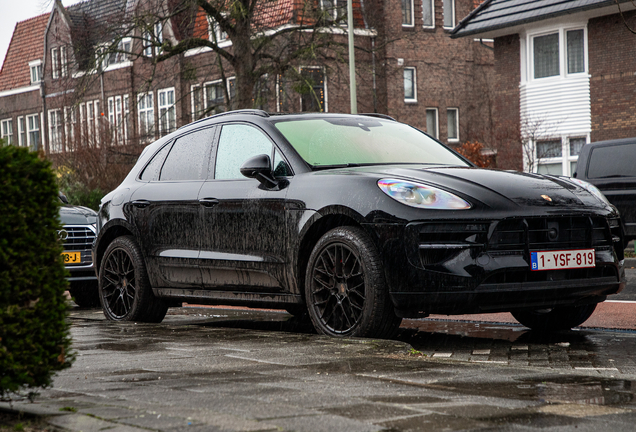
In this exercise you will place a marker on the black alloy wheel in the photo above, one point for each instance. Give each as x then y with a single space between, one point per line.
556 319
344 288
124 289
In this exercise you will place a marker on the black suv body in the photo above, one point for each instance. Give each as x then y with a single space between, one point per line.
611 167
77 235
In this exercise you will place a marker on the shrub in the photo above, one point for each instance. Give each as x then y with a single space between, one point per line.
474 152
77 192
34 333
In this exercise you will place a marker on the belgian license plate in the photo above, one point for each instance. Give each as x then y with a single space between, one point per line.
563 259
72 257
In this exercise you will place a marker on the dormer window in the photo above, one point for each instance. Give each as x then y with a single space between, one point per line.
36 71
152 42
121 54
214 31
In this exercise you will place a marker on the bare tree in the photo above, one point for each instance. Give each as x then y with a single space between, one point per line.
533 130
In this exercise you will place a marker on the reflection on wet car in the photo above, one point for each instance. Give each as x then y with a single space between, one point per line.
356 220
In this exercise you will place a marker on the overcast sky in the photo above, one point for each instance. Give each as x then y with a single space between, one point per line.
13 11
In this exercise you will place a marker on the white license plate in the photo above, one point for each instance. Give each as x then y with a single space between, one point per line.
563 259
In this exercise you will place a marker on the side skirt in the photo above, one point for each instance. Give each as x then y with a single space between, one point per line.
228 298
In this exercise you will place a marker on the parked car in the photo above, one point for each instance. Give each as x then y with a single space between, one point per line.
77 234
359 220
611 167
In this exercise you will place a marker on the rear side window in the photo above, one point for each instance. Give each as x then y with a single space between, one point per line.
188 159
612 161
151 172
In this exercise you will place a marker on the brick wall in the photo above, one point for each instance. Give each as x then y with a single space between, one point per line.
612 57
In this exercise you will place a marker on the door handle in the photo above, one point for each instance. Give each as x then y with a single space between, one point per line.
208 202
141 203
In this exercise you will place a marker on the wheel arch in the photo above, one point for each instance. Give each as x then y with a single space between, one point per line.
107 234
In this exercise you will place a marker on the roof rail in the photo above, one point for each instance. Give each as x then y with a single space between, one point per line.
382 116
257 112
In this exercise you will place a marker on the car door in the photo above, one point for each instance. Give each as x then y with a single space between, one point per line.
167 213
244 222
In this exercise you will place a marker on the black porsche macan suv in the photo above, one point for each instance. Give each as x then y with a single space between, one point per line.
358 220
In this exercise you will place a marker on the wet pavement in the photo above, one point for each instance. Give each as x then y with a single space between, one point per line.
206 369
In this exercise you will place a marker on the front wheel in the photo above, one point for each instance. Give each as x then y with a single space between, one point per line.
124 289
345 289
555 319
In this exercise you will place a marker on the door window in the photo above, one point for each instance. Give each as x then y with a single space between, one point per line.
188 158
239 142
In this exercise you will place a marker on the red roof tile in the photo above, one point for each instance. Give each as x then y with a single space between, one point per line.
27 44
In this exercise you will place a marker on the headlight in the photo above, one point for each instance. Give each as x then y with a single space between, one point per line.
590 188
421 196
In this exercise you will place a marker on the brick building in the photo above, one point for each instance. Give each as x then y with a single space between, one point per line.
69 81
566 74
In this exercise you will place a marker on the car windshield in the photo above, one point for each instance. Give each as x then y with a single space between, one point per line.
347 141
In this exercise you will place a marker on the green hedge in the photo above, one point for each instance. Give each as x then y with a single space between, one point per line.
34 332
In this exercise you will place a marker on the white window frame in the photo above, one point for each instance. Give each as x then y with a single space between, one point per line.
6 125
148 113
432 3
165 109
70 122
566 157
121 57
35 70
22 133
156 36
63 62
194 90
30 130
436 112
56 126
214 83
214 31
412 23
456 110
452 4
563 52
333 4
55 63
414 98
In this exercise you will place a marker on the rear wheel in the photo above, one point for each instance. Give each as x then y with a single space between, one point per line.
345 289
124 289
85 294
555 319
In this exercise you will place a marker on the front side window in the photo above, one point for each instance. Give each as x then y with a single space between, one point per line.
238 143
432 122
428 13
33 124
341 141
6 130
449 14
188 158
167 111
145 108
546 55
410 94
313 89
55 130
407 13
452 115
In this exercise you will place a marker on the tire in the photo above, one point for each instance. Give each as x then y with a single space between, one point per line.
345 289
556 319
85 295
124 290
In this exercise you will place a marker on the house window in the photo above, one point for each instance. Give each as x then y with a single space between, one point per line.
90 122
146 111
55 130
118 117
546 55
22 134
63 61
167 111
549 157
70 123
35 68
576 144
335 9
196 99
410 85
6 130
261 93
432 122
449 14
452 125
407 13
576 51
153 41
33 131
313 95
59 63
214 31
214 101
121 54
428 13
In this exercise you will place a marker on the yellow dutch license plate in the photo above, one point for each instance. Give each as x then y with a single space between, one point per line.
72 257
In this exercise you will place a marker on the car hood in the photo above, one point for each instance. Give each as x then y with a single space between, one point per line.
77 215
490 186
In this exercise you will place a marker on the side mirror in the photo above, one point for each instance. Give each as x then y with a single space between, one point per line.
260 168
62 197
